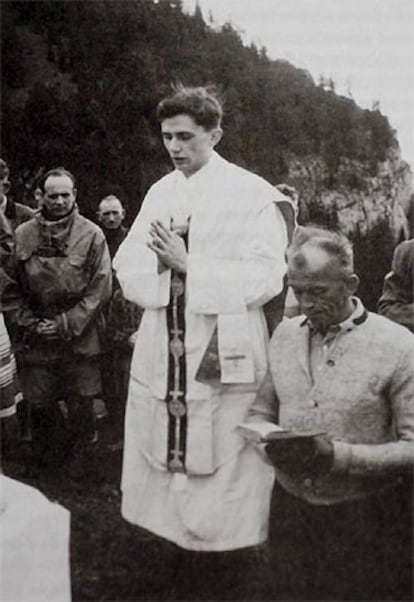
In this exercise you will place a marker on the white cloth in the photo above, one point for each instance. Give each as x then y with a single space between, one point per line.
34 546
237 240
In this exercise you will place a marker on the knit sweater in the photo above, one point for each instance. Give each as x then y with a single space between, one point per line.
362 398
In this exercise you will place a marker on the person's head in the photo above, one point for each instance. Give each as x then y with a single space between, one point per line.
321 274
4 179
58 191
191 127
111 212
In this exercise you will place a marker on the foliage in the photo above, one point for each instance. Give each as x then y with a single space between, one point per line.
84 90
373 254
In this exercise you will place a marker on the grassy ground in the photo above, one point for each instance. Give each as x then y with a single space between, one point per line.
113 560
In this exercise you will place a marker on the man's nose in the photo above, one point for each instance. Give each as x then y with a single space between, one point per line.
307 301
174 145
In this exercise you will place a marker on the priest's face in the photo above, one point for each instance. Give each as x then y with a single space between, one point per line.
189 145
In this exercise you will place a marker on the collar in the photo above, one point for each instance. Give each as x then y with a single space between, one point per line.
205 172
358 317
114 232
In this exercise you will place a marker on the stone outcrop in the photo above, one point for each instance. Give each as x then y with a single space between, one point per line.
358 199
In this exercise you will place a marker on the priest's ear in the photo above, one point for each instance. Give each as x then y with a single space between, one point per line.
216 135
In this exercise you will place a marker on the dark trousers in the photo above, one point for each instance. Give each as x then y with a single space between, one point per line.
166 572
360 550
58 428
115 370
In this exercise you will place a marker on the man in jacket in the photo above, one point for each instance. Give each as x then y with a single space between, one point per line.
397 300
16 213
63 280
342 524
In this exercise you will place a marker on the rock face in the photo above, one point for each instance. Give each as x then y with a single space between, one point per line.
357 199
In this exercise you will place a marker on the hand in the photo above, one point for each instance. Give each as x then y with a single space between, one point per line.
132 338
168 246
300 456
48 329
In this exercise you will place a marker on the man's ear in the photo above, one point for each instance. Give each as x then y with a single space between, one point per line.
352 284
75 192
216 136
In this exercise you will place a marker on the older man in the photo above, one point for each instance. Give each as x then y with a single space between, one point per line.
204 255
339 529
64 279
122 320
111 214
397 299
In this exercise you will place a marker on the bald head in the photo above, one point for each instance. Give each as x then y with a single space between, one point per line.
320 272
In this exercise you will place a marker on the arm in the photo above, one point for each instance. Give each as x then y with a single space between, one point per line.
73 322
137 266
226 286
265 405
397 300
391 456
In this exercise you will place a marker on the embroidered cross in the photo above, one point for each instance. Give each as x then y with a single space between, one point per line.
176 394
176 464
176 331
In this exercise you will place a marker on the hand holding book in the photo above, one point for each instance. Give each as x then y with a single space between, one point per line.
307 454
296 453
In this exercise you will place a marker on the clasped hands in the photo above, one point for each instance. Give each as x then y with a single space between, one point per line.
301 456
47 328
168 246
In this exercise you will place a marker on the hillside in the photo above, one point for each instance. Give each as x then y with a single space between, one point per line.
81 81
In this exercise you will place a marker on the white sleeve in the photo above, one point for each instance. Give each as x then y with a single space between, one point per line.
136 266
228 286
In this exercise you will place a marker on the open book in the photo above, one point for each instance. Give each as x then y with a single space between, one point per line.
264 432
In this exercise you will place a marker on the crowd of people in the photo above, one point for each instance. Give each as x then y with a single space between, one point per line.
167 322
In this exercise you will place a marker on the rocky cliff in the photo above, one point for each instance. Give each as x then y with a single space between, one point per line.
360 199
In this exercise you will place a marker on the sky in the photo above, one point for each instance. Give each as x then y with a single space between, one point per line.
365 46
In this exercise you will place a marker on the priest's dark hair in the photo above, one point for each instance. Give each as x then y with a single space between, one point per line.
201 103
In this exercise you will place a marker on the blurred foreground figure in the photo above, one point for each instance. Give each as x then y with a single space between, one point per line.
63 280
34 557
342 527
397 299
204 255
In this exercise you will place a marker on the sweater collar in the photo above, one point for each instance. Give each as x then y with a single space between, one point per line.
358 317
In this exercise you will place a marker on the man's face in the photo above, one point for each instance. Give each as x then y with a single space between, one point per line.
188 144
59 195
322 292
4 187
111 214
